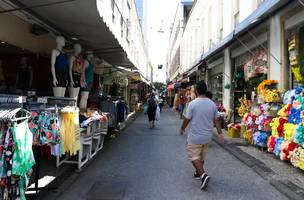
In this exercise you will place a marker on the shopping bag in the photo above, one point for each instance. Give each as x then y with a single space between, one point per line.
157 114
145 109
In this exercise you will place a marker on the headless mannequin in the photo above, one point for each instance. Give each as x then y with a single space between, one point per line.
59 68
87 80
75 72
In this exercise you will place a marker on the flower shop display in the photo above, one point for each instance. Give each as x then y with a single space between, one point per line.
261 114
275 121
234 130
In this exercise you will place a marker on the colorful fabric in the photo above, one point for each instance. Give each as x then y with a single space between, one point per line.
23 158
45 127
16 160
78 64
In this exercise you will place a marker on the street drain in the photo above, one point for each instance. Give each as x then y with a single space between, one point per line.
106 191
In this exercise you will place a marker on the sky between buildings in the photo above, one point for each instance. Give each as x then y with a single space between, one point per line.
159 17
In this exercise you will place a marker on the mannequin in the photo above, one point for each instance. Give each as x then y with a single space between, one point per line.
88 78
76 71
59 67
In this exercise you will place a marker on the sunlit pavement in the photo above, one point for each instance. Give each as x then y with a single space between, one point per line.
152 164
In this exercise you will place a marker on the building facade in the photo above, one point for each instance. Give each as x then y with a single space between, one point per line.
228 39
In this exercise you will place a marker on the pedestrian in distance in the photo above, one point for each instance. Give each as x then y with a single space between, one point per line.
200 117
161 104
209 95
151 112
182 103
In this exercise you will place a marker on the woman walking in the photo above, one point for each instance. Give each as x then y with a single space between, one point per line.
152 106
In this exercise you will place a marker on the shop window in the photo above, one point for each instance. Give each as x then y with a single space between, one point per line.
249 70
216 87
22 70
295 56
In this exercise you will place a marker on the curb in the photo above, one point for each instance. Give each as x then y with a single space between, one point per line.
285 187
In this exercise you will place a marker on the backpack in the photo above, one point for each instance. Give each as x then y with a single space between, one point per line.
152 103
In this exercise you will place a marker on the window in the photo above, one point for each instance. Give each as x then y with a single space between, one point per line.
259 2
113 10
236 12
220 21
209 26
128 31
202 34
121 26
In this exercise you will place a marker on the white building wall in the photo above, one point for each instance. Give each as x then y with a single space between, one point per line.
128 32
205 16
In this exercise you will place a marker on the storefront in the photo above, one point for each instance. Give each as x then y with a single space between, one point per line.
215 79
293 36
250 66
43 89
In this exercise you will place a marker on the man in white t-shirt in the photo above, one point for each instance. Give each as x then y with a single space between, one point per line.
200 116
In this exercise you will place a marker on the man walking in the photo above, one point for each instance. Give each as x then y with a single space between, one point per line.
200 116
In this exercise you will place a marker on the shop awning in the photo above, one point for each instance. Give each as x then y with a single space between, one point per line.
80 22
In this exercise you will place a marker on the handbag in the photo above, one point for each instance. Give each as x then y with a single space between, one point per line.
145 109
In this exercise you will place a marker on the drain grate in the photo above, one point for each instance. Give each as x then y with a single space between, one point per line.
107 191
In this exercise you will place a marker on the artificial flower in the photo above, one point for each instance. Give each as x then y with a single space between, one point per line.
287 147
271 143
289 130
277 147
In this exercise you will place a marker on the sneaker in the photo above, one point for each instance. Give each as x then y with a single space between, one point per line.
197 176
205 180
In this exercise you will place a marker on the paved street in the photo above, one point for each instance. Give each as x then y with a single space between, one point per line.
152 164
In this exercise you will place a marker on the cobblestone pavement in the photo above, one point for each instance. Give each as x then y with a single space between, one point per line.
152 164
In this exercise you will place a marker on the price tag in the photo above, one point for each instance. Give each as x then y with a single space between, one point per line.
42 100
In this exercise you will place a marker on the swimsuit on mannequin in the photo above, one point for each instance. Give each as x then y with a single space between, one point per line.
89 77
61 66
78 66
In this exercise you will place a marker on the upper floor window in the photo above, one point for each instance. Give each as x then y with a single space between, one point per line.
236 12
259 2
220 20
113 10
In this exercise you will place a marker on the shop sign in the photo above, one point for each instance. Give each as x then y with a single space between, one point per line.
121 80
133 86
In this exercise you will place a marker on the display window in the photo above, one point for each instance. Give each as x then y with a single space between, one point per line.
249 70
295 55
216 87
22 71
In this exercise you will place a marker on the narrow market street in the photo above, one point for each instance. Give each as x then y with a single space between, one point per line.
152 164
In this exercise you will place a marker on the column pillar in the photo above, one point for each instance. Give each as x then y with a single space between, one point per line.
227 97
275 61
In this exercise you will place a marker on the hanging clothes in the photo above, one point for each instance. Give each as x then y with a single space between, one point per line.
70 131
45 127
16 160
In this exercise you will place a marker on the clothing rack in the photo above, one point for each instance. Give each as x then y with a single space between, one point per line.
5 98
42 102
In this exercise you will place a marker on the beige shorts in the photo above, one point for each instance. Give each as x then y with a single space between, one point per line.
197 151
